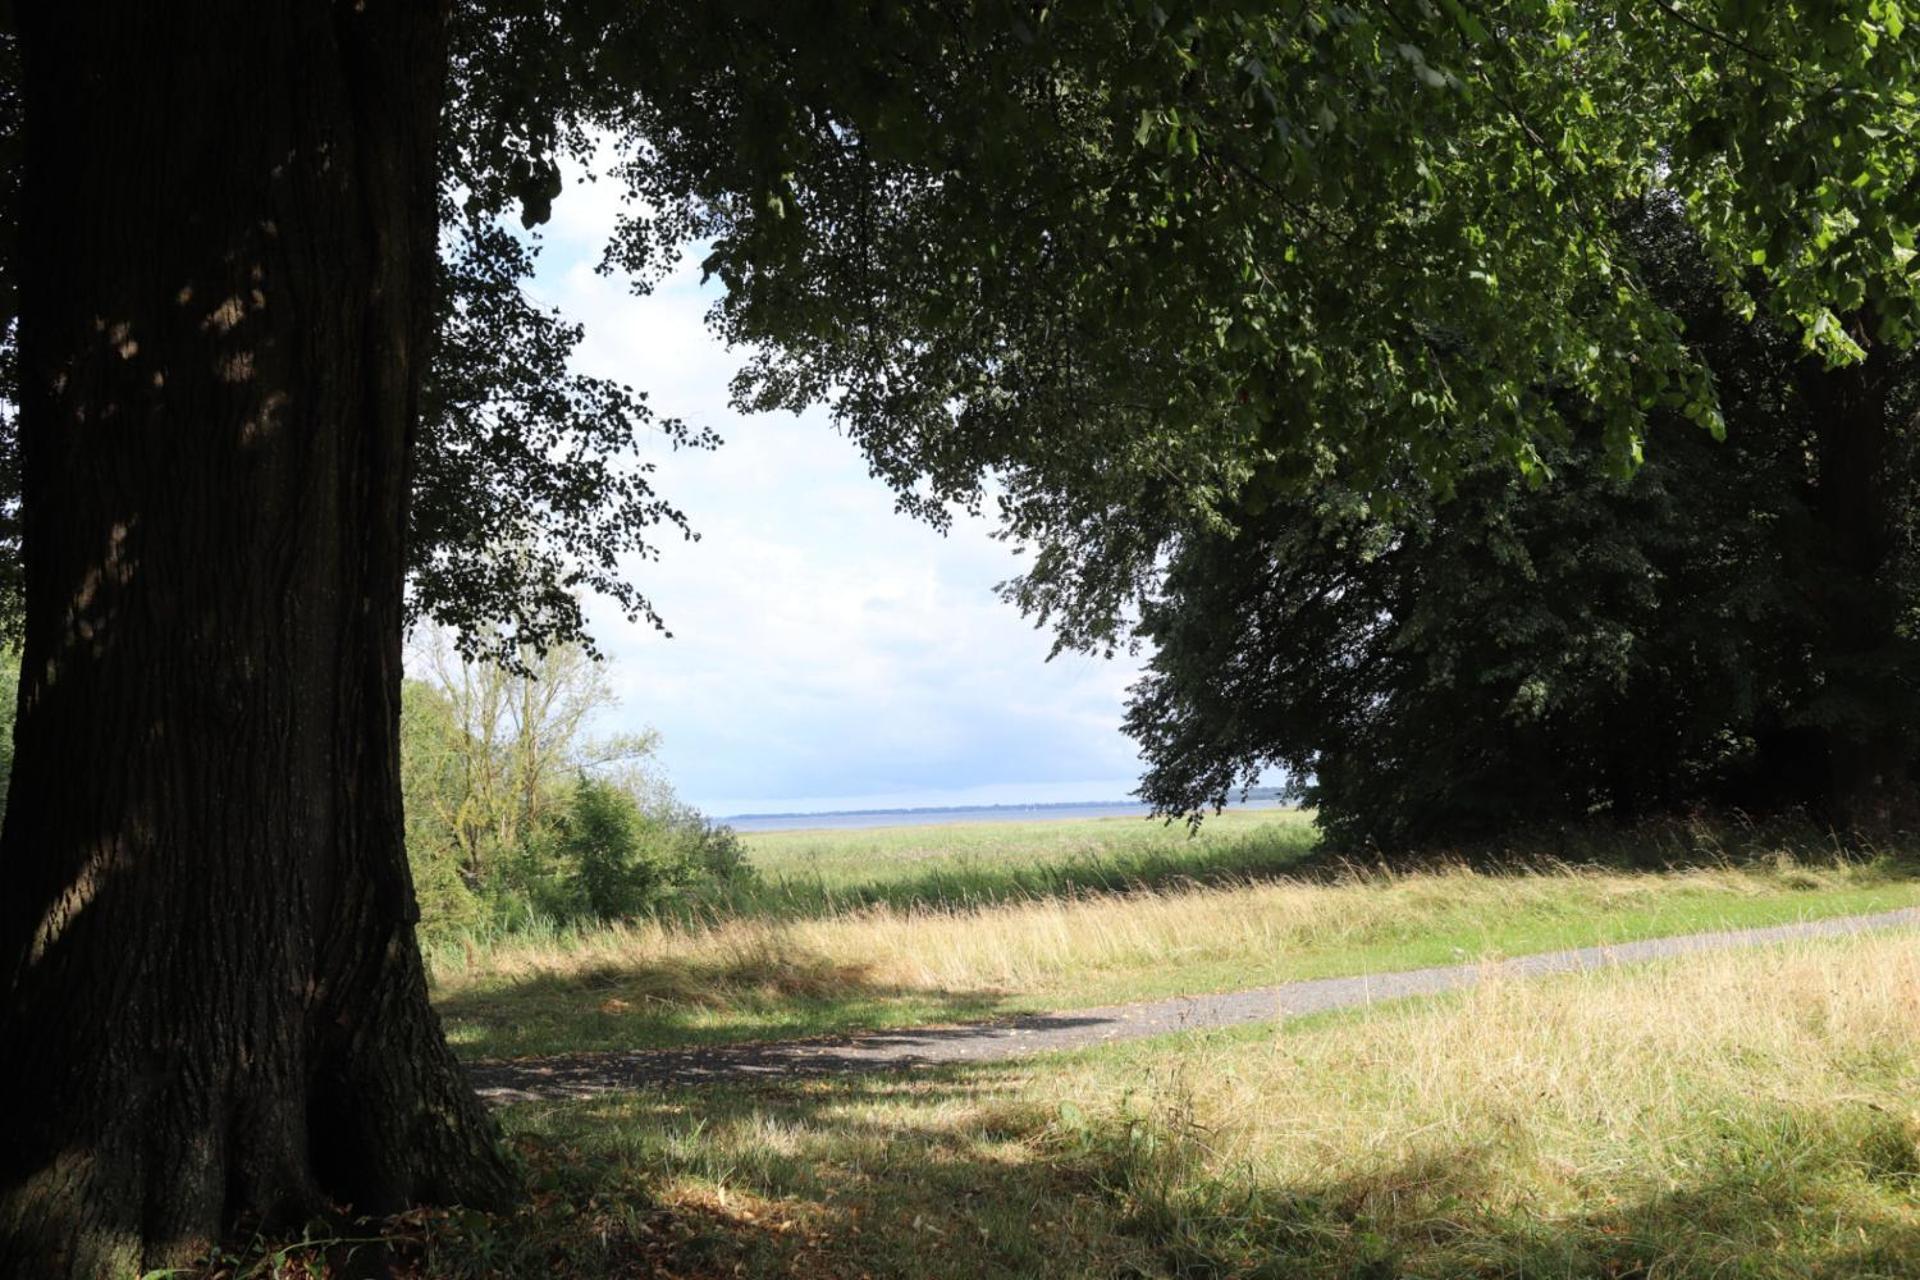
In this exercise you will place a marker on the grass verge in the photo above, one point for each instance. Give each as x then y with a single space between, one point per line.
1742 1114
657 984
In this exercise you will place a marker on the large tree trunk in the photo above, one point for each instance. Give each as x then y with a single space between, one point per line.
211 1002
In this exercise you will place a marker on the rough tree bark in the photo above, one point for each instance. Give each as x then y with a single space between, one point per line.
211 1003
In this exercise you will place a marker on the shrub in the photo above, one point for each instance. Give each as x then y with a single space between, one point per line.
713 852
613 852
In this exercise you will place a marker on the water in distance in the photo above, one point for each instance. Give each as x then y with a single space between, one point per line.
861 818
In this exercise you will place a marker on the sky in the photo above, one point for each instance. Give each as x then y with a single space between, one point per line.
826 652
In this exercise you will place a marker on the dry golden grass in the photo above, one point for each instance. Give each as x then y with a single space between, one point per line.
1030 944
1749 1111
651 982
1735 1114
1577 1078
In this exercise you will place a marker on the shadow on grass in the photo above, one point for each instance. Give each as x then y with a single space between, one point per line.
1457 1213
954 1174
1667 844
585 1076
767 985
934 1176
792 996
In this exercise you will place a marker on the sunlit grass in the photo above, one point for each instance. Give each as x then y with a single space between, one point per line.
978 864
660 982
1740 1114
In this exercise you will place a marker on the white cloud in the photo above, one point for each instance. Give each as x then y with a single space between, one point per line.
825 648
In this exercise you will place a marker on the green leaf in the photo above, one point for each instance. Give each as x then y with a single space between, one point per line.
1471 26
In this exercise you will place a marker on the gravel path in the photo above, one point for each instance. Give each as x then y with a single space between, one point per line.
583 1075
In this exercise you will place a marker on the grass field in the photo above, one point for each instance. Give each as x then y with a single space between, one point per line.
1738 1114
1024 932
977 864
1747 1114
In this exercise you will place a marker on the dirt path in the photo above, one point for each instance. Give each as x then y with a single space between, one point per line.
582 1075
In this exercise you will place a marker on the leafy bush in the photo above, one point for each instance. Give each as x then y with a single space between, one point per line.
713 851
517 820
621 860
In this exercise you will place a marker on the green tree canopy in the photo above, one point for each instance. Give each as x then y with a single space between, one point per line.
1132 271
1148 265
1137 262
1601 648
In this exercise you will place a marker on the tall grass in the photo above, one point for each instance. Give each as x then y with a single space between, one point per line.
801 873
1739 1114
663 981
1750 1114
